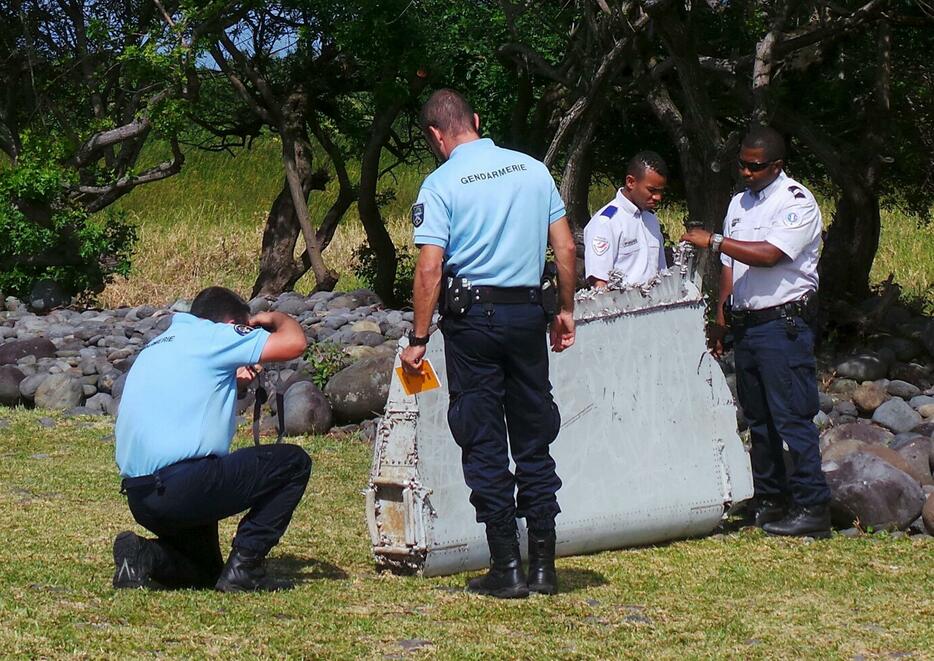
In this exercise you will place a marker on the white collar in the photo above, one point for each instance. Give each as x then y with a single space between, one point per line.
771 188
625 204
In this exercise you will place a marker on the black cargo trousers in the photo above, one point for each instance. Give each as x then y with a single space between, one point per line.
182 504
497 369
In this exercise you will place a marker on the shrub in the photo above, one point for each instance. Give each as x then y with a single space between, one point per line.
325 359
47 236
364 259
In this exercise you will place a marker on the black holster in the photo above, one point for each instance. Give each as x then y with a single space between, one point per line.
455 297
550 290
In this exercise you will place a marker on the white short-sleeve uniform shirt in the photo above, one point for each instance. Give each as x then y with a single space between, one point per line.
622 238
785 214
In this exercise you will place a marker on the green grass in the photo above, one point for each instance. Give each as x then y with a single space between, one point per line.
737 596
204 227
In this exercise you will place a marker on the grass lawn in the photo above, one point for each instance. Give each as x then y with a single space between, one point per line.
739 596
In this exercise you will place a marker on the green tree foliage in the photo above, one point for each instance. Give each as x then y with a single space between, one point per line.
49 236
86 83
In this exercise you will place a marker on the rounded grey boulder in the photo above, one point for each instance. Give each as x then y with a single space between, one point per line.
857 431
869 490
359 392
40 347
59 391
10 378
897 416
917 454
902 389
862 367
101 402
30 384
306 410
927 514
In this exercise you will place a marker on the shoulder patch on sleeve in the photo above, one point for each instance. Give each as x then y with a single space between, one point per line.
243 329
600 245
418 214
610 211
798 192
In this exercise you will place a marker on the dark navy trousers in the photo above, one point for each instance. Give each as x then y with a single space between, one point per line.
186 501
497 369
776 383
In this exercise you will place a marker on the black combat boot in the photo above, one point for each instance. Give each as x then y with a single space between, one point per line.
542 576
811 521
133 562
764 509
505 580
245 571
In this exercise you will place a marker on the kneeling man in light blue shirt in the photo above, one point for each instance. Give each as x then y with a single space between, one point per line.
173 435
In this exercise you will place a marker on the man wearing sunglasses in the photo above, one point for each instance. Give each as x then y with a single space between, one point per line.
769 251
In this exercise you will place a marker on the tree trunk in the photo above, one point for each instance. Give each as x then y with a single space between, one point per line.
376 234
575 181
278 268
851 245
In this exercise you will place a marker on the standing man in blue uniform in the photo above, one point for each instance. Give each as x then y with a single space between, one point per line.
173 437
624 236
769 251
482 221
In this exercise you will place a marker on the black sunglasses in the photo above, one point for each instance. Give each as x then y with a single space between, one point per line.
752 166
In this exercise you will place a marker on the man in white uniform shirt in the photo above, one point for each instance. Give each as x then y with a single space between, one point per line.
769 251
624 235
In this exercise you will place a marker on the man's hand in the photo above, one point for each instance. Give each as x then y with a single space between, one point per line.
412 358
562 331
715 335
246 374
697 236
265 320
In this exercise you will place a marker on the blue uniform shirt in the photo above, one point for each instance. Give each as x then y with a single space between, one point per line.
178 401
489 208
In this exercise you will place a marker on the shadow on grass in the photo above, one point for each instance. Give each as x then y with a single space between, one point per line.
303 570
575 579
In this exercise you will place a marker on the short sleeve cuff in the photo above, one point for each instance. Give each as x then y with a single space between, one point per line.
598 275
428 240
791 252
726 260
259 345
557 215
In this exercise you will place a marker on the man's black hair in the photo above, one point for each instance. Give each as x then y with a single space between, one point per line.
768 140
447 111
221 305
646 160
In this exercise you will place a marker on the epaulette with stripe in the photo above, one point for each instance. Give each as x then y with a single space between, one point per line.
798 192
610 211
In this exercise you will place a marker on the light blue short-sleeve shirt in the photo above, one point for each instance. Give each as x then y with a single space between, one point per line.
180 394
489 208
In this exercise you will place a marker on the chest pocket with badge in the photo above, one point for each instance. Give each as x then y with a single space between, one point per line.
628 245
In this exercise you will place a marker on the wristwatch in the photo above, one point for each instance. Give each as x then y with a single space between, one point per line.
715 241
416 341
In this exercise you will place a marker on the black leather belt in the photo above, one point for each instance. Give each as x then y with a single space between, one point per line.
803 307
507 294
156 478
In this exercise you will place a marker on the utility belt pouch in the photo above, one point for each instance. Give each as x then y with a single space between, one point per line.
456 297
550 290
